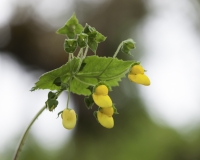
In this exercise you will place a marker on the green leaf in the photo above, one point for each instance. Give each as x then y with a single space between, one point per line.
46 81
71 27
127 46
57 81
95 70
108 70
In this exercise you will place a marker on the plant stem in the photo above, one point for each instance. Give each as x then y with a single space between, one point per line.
26 132
118 49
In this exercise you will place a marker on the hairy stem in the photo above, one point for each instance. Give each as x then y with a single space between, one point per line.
118 49
26 132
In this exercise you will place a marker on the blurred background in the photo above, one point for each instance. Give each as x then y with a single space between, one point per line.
159 122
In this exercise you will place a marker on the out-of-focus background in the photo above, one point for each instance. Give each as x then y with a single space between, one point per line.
159 122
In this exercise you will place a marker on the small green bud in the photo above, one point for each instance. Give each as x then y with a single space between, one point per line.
82 40
70 45
51 104
127 46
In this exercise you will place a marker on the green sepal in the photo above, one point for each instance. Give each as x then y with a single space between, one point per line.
51 104
115 109
70 45
57 81
60 113
51 95
94 37
71 27
127 46
93 46
95 115
89 102
82 40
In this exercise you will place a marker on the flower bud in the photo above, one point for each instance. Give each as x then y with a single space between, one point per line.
104 120
68 118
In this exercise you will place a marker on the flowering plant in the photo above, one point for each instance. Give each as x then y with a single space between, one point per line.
90 76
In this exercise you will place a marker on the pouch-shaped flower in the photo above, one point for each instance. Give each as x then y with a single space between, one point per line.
109 111
68 118
137 75
105 120
101 98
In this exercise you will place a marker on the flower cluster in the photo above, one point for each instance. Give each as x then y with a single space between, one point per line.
106 110
137 75
101 98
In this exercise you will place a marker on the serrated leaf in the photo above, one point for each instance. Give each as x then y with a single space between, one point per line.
71 27
105 69
96 69
46 81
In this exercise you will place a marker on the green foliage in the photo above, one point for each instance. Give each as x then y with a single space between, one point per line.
96 69
46 81
71 27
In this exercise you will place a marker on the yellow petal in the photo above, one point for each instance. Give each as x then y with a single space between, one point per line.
102 101
68 118
137 69
101 90
105 120
140 79
108 111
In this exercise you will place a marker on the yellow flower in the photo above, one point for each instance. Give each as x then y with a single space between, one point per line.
101 98
137 75
105 120
68 118
109 111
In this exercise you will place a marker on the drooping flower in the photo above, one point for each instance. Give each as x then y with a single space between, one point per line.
137 75
105 120
68 118
109 111
101 98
